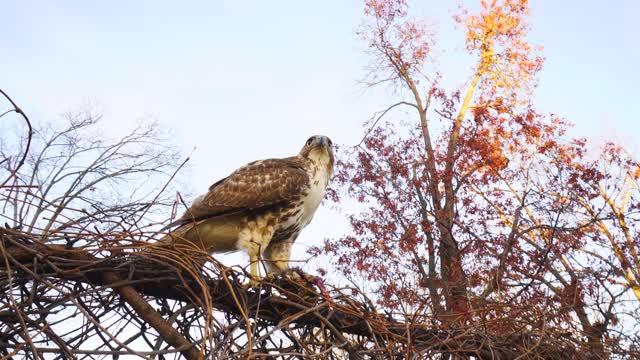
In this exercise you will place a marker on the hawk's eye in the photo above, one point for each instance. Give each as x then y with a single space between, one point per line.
309 141
330 142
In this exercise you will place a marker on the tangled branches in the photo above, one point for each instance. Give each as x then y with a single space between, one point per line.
281 317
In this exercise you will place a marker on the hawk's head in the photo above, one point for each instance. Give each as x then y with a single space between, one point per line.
319 149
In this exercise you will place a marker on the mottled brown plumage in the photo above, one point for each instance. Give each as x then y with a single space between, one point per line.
256 185
260 208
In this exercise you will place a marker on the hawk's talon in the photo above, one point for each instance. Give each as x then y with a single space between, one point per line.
296 275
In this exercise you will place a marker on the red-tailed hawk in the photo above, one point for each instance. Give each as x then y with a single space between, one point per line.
260 208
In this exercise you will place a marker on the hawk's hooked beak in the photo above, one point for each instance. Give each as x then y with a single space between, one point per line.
322 141
319 142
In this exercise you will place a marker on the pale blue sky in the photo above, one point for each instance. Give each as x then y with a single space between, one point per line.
242 80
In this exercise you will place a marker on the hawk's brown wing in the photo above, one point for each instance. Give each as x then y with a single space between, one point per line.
253 186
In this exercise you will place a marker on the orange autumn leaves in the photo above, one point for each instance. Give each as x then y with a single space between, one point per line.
497 34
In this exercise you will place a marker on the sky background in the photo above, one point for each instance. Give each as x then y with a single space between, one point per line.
244 80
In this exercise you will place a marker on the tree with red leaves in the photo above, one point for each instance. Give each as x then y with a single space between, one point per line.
481 213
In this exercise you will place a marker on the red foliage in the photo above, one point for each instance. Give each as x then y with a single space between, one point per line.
483 212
